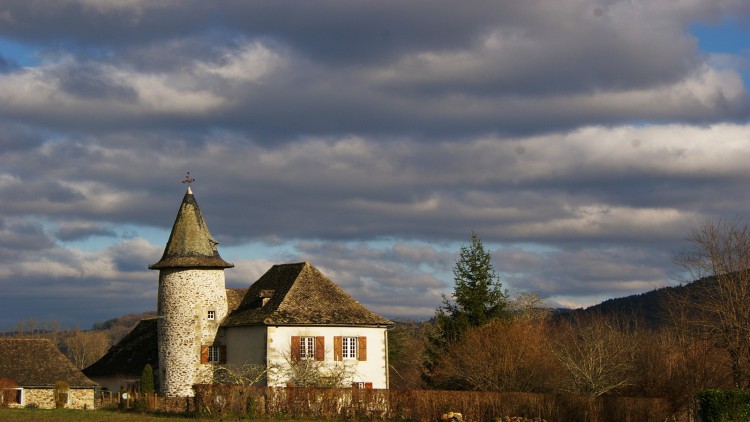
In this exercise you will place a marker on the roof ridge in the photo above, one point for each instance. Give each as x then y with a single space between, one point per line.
300 294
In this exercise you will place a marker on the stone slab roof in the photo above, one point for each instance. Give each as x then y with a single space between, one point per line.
131 354
234 298
34 362
190 243
299 294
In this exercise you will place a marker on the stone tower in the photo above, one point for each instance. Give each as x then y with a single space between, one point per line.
192 301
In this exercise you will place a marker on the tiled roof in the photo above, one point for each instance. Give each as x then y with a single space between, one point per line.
33 362
128 357
299 294
190 243
234 298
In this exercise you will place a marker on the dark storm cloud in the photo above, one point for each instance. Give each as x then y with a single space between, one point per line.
15 137
17 236
277 70
78 288
81 231
92 82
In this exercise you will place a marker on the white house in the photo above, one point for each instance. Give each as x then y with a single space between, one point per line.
291 321
294 313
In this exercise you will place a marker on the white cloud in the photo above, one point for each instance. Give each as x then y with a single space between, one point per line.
247 63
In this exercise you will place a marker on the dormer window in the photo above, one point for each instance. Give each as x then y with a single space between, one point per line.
211 315
265 296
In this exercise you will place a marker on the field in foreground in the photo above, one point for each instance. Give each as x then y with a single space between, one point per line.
65 415
70 415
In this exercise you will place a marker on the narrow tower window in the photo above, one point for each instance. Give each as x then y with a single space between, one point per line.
211 315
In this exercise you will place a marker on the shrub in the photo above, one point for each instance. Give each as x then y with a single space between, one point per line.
61 391
7 392
724 405
147 379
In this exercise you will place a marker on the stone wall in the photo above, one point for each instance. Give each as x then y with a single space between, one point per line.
185 297
44 398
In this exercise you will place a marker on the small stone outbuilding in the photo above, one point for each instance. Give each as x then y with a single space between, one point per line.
34 372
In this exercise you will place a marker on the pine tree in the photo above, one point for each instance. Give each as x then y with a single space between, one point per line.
478 297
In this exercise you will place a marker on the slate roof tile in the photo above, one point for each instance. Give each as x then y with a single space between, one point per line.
299 294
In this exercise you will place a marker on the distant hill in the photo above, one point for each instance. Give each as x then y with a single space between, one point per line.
117 328
651 307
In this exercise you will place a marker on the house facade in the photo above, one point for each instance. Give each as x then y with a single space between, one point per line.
294 326
35 373
296 321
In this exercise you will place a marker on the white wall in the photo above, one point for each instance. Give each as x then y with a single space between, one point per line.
372 370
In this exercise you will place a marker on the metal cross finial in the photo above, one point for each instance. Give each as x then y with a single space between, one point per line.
188 180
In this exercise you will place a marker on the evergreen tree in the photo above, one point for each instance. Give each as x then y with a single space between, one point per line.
478 297
147 379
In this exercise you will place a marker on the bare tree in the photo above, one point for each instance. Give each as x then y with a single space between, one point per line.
246 374
406 343
718 308
509 354
671 363
85 347
313 373
597 353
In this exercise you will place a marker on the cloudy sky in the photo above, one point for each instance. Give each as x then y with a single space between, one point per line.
582 139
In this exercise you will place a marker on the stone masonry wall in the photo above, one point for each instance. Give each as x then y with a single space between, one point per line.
185 297
44 398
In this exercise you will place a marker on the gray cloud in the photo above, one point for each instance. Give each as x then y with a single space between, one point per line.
82 230
7 65
511 67
581 139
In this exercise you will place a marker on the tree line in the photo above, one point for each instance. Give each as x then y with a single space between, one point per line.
483 339
82 347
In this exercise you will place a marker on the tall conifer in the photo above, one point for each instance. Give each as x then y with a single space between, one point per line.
477 298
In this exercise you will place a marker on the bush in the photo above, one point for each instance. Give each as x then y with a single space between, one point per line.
7 392
61 391
724 405
147 379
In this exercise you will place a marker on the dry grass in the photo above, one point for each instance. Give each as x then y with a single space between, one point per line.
70 415
64 415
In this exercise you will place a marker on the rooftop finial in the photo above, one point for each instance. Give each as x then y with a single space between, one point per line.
188 180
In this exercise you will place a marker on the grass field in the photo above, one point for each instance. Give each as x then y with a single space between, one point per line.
65 415
70 415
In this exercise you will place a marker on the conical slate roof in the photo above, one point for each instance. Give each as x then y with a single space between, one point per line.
299 294
190 243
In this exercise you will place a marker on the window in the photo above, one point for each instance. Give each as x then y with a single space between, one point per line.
307 347
211 315
214 354
349 348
